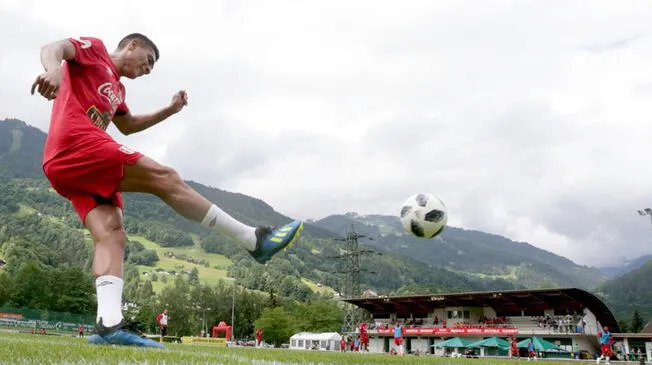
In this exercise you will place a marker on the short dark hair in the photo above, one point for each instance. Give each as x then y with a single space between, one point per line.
142 38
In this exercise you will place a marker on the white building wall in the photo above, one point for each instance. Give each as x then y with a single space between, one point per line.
419 345
592 324
583 343
440 313
377 345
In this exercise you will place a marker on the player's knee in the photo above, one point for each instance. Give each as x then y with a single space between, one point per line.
112 232
167 181
105 224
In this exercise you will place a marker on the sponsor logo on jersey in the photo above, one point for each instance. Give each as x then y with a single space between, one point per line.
106 90
126 150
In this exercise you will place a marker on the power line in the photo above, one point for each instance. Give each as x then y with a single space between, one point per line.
350 257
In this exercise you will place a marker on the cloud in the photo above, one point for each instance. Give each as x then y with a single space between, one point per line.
613 44
529 119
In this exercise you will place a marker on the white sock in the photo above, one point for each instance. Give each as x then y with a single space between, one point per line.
220 221
109 299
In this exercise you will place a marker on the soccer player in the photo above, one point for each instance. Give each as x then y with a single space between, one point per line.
364 337
513 351
604 338
398 337
162 320
85 165
531 352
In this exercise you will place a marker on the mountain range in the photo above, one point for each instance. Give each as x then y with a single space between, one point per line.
626 267
458 259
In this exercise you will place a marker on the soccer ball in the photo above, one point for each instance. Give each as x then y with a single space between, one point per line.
424 215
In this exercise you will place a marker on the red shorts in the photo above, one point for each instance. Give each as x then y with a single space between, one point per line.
398 341
606 350
89 174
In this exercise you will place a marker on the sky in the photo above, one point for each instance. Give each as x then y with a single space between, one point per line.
529 119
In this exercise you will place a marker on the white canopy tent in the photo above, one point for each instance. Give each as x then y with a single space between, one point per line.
325 341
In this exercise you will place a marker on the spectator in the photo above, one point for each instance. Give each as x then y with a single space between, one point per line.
162 320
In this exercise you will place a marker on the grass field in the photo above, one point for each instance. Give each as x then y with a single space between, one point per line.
26 349
218 264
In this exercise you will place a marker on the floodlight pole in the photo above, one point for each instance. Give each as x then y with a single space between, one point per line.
233 313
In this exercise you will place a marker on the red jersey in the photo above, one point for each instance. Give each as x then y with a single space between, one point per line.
90 95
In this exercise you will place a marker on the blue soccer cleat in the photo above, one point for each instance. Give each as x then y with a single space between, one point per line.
125 338
114 335
270 241
96 339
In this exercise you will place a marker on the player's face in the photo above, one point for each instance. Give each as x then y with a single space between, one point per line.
139 60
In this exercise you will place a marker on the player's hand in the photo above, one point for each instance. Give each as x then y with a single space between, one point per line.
48 83
179 100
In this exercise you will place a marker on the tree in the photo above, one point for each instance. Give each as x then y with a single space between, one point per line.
72 290
624 326
177 300
31 286
637 322
320 316
193 278
5 288
277 325
145 257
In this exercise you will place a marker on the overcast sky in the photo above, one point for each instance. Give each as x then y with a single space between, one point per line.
530 119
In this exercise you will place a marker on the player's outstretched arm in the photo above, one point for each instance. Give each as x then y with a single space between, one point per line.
128 123
52 55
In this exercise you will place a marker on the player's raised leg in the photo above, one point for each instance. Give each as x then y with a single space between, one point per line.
105 224
148 176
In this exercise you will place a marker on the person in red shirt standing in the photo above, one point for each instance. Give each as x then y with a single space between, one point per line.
81 330
364 337
85 165
513 348
259 337
162 320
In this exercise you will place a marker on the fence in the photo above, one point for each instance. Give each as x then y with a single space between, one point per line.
26 319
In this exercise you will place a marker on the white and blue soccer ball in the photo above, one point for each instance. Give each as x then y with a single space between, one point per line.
424 215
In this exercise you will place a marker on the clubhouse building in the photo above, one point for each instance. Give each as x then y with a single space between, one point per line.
569 317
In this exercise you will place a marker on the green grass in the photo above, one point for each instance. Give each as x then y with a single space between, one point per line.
24 210
508 276
27 349
218 269
318 289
